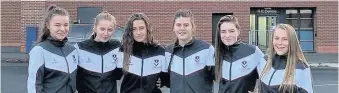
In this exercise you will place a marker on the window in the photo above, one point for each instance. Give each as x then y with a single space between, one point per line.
291 13
306 24
302 21
293 22
86 15
306 14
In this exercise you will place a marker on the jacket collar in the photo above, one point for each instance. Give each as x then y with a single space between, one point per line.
57 43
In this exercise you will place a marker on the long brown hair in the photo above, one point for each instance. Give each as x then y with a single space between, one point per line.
52 11
103 16
181 13
294 55
128 40
219 51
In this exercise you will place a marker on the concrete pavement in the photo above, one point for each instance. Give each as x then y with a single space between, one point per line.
14 80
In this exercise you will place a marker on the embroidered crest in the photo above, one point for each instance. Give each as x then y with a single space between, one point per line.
197 59
74 59
156 62
115 58
244 64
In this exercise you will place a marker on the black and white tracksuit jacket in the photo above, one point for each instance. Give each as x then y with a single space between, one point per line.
99 66
271 81
52 67
147 63
191 68
239 65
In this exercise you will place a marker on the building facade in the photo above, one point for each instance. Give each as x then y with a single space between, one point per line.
316 22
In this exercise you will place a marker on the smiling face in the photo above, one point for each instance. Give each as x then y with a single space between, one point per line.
280 41
183 28
228 33
104 30
59 27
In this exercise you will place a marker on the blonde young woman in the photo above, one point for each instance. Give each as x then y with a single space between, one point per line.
286 70
99 65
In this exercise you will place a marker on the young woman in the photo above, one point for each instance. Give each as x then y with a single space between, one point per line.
190 61
143 58
99 65
235 62
286 70
52 61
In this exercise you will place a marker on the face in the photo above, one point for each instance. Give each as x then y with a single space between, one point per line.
280 41
59 27
183 28
228 33
104 30
139 31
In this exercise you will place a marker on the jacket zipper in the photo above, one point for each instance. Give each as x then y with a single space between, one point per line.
183 61
102 69
269 83
102 63
67 68
142 70
230 69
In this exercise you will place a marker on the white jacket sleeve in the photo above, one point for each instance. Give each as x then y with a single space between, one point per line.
35 70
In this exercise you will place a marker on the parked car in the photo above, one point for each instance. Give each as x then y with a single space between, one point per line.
81 32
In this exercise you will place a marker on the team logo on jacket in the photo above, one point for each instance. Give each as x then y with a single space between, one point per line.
156 63
54 61
197 59
88 60
244 64
74 59
115 58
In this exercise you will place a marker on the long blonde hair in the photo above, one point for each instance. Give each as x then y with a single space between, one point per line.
294 55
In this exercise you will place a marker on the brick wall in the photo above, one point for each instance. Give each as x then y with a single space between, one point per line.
32 13
10 23
161 16
327 27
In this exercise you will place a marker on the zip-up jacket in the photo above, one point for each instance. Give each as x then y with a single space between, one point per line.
146 64
52 67
191 67
99 67
239 65
271 81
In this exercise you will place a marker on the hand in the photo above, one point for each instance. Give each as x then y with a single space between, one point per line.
158 83
254 91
